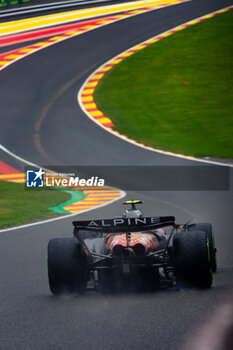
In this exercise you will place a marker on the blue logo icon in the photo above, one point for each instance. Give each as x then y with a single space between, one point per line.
35 178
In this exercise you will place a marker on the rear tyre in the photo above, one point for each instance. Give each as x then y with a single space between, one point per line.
208 229
191 259
66 266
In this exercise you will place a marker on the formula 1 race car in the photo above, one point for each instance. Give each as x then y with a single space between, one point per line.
131 252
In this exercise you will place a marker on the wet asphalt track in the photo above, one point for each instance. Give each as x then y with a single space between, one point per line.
46 84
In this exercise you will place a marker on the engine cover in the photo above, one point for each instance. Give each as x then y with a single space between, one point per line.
140 243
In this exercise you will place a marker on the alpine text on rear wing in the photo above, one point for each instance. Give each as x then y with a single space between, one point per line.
126 224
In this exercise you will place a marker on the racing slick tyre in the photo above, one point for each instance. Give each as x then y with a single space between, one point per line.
66 266
191 259
206 227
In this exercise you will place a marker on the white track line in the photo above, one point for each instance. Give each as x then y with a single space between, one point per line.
47 7
86 13
128 139
4 149
88 30
123 194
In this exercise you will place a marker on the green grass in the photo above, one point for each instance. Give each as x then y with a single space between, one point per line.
19 206
177 94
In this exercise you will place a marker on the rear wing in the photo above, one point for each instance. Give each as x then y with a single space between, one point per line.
125 225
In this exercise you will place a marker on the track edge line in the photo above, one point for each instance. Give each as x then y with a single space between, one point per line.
125 138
